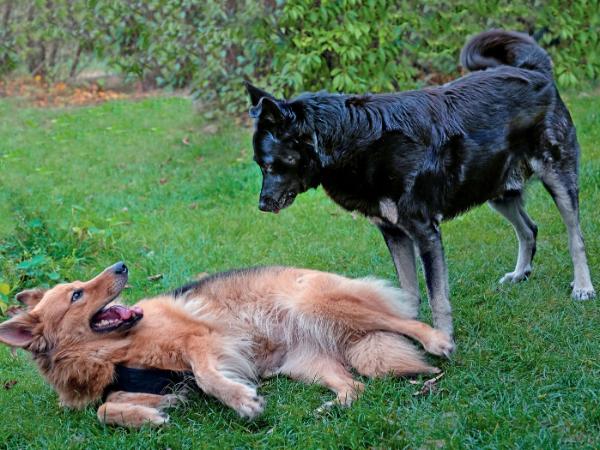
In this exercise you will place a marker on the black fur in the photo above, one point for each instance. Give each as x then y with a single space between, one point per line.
198 285
148 381
427 154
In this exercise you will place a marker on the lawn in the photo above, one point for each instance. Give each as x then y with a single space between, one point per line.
149 183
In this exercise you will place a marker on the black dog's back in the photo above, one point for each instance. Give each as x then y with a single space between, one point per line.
435 151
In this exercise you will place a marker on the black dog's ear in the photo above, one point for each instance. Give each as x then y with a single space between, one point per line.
256 93
272 110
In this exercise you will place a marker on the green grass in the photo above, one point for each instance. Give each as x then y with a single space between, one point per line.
81 189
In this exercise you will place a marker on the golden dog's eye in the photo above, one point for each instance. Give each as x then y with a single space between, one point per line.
77 295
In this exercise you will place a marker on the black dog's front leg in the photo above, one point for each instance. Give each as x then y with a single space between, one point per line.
402 249
429 241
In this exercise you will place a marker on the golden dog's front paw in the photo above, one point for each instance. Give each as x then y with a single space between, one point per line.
154 418
248 403
128 415
171 400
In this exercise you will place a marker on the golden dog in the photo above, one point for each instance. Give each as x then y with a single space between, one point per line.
228 329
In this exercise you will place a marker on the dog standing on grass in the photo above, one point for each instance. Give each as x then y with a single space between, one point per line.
227 331
410 160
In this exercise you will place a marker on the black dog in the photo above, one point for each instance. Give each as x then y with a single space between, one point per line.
408 160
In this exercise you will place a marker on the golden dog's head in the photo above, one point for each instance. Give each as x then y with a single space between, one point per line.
71 312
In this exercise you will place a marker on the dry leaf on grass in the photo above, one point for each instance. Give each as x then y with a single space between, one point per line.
210 129
156 277
185 141
9 384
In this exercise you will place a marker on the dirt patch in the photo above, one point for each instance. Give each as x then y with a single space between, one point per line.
38 92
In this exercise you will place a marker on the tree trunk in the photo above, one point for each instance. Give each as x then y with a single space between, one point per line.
73 70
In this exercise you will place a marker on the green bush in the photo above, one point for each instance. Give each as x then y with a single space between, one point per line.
47 38
379 45
339 45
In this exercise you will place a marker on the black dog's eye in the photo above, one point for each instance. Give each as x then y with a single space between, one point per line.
77 295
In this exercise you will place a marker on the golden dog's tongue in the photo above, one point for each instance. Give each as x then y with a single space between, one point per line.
114 317
119 312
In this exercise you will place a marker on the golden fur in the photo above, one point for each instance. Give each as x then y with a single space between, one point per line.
230 330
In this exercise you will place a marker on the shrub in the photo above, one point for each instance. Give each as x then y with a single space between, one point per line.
47 38
339 45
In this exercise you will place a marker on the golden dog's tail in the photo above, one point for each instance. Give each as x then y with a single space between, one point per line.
381 353
373 352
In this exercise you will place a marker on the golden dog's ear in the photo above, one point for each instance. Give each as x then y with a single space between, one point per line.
30 297
18 331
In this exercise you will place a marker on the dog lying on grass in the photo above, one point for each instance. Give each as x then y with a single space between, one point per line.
228 330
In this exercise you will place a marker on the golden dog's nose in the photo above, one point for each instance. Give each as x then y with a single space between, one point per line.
120 268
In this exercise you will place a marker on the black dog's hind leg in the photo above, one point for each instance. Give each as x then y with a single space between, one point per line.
511 207
562 185
428 238
402 250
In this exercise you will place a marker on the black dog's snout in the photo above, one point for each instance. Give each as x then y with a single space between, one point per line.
266 204
120 268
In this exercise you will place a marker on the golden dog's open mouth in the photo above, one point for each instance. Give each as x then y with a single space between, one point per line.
113 317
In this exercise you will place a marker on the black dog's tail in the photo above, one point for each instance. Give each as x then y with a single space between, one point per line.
498 47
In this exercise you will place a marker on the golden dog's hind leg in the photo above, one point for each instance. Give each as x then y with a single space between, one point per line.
131 409
326 371
355 313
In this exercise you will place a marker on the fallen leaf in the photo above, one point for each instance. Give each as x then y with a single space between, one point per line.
210 129
185 141
193 205
163 180
9 384
156 277
439 443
